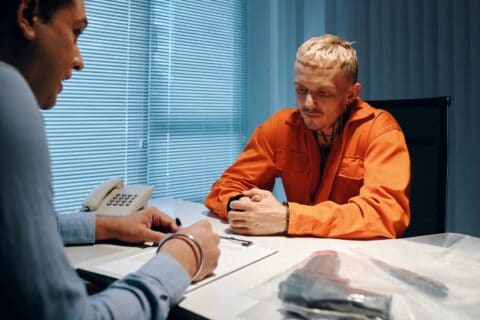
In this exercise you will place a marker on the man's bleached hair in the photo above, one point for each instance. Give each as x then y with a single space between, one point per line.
329 52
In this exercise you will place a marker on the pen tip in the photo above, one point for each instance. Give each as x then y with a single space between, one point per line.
178 222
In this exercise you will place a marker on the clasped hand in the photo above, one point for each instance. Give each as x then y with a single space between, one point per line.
258 212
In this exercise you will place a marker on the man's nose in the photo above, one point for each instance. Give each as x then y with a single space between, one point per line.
78 61
309 102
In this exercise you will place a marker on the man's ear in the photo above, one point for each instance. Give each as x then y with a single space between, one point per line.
26 18
353 92
357 87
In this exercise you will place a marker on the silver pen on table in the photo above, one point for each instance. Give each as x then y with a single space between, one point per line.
243 242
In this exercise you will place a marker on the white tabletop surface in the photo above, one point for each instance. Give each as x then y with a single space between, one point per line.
230 296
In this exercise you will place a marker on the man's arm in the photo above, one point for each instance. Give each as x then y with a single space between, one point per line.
77 228
254 167
38 280
381 210
86 227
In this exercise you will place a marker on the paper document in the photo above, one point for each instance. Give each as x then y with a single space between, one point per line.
233 257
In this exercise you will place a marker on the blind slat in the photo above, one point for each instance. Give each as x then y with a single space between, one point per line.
161 97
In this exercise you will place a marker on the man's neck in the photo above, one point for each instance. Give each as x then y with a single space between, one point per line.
329 135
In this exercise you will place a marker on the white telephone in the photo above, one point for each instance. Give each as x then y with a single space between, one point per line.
112 198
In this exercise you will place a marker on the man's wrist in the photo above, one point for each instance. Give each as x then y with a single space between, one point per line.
287 217
106 228
177 247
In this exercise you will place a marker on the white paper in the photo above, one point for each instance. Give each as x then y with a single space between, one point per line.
233 257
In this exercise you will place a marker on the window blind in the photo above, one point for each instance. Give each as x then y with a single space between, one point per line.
197 94
154 104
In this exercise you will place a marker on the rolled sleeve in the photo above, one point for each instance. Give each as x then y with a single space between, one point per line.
77 228
148 293
173 278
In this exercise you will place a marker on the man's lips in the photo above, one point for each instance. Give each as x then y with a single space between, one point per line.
312 114
64 79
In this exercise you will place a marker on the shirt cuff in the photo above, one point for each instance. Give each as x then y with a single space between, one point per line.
171 275
77 228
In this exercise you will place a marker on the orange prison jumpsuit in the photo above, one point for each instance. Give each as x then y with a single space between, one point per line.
362 193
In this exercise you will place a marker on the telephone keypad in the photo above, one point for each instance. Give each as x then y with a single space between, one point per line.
121 199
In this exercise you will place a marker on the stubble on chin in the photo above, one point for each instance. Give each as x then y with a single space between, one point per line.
44 108
310 125
48 104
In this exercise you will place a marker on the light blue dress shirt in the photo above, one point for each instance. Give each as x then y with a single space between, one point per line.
77 228
37 281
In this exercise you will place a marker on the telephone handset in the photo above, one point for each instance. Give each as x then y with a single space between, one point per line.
112 198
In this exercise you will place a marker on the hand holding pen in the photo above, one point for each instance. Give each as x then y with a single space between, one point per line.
149 224
196 247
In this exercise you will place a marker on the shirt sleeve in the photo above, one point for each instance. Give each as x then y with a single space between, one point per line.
145 294
380 210
38 281
254 167
77 228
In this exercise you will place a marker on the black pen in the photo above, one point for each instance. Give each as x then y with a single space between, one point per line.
178 222
151 244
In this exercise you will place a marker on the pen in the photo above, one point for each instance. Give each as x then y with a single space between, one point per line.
244 243
150 243
178 222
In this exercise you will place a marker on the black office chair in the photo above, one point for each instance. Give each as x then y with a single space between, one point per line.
424 123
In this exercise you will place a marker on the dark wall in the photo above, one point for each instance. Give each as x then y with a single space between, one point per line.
407 49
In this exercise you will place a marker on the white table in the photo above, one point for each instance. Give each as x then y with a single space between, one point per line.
227 298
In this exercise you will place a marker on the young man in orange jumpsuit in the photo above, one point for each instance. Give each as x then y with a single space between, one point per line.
344 165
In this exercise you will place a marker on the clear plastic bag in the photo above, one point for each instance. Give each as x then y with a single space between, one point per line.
316 291
426 277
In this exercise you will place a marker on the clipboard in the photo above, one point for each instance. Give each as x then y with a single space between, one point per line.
109 268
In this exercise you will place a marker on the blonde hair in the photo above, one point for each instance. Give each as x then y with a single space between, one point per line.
329 52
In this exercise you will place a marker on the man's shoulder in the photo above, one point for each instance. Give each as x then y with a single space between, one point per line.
20 118
8 72
281 121
14 90
288 116
376 116
373 121
14 86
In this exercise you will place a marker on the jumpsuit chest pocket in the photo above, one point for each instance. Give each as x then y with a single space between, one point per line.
349 180
351 169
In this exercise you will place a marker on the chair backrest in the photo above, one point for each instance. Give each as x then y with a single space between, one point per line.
424 123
